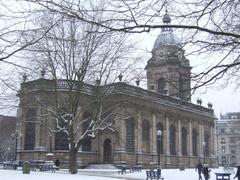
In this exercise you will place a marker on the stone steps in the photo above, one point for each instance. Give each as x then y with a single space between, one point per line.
101 166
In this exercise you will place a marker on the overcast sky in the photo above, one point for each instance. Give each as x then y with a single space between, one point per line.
223 100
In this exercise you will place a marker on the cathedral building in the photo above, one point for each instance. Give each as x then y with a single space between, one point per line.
187 129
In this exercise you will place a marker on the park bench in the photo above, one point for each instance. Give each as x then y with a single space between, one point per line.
123 169
154 174
47 167
137 168
223 176
10 165
35 164
42 165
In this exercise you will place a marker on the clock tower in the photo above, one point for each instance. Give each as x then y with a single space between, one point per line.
168 70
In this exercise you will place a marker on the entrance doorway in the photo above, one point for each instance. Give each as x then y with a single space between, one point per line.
107 151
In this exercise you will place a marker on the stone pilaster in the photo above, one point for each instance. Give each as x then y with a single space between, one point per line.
139 131
201 139
179 152
212 141
179 138
122 135
19 128
167 137
167 140
190 138
154 136
37 128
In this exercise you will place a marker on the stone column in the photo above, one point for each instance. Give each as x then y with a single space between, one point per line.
190 138
179 153
200 149
213 146
19 128
139 131
37 129
179 137
122 135
154 134
167 137
212 141
167 142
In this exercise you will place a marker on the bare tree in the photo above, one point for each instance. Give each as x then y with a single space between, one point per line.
74 53
206 26
16 20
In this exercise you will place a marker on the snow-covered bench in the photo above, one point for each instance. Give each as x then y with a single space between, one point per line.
154 174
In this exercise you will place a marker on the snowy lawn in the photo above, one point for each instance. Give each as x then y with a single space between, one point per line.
17 175
168 174
176 174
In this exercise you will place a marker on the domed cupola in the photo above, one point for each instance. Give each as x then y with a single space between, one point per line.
167 37
168 70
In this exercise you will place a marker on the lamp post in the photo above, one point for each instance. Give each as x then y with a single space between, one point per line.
14 136
204 151
159 135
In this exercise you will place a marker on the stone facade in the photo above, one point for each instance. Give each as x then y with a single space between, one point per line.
165 106
228 139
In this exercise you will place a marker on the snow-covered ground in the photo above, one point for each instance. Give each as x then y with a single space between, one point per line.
168 174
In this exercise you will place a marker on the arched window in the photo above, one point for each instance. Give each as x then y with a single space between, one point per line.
130 139
61 137
61 141
87 142
172 140
29 141
145 130
161 86
224 160
206 145
233 160
180 86
160 127
194 142
184 141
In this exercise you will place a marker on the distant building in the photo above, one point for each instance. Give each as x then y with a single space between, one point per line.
187 128
228 138
7 141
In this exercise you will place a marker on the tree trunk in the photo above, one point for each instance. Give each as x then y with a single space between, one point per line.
73 167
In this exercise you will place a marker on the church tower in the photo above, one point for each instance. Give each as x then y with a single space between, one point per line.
168 70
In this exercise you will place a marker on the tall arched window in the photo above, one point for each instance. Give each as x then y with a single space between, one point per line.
87 142
206 141
180 86
29 141
61 137
233 160
61 141
161 86
130 139
172 140
184 141
145 135
160 127
223 160
145 130
194 142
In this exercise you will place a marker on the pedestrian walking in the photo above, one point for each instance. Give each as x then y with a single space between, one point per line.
237 173
199 169
206 172
57 164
